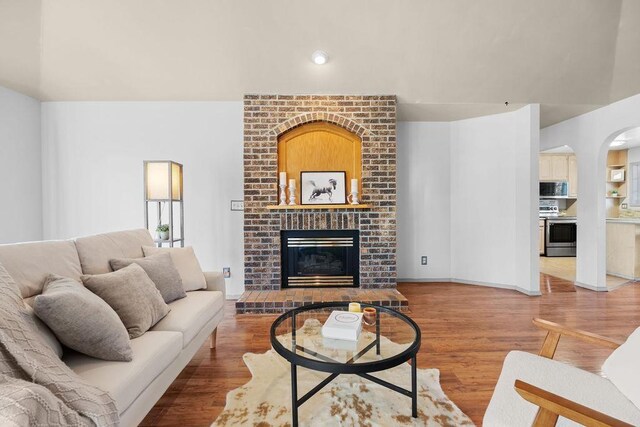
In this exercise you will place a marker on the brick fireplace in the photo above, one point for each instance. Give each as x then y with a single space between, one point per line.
372 119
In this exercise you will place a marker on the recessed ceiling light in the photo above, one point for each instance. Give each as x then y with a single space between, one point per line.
319 57
617 142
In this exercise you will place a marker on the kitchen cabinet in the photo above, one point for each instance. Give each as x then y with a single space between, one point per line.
541 236
623 248
545 168
554 167
560 168
573 176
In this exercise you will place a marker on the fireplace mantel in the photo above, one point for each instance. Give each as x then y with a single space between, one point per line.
316 207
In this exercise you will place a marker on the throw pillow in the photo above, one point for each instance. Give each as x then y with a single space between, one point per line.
623 370
132 295
81 320
161 271
187 264
45 332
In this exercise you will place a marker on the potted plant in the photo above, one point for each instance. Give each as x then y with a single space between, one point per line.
162 231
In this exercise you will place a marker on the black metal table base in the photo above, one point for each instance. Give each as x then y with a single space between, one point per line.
296 403
320 362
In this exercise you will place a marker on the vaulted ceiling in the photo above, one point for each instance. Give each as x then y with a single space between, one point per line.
444 59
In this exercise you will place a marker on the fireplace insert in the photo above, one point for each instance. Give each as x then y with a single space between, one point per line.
320 258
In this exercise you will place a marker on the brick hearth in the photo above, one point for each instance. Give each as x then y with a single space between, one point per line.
257 302
373 120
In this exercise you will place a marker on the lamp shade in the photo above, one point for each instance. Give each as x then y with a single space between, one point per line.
162 180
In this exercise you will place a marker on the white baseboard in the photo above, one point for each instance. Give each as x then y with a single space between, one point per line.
591 287
622 276
443 279
475 283
233 297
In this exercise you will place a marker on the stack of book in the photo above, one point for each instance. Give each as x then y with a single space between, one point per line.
343 325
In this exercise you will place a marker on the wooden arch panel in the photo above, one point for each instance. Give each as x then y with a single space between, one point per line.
320 146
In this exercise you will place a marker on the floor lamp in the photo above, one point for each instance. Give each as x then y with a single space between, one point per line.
163 188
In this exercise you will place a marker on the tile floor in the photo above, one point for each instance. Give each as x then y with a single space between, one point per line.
565 268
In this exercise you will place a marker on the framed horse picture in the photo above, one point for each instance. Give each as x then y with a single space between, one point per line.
323 188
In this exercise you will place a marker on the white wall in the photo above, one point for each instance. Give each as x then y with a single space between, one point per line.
492 203
20 170
527 148
633 155
467 199
589 136
424 200
92 170
450 176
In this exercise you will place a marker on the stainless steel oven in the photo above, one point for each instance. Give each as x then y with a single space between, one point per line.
560 237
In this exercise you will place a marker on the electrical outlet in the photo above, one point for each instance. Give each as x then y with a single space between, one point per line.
423 260
226 272
623 206
237 205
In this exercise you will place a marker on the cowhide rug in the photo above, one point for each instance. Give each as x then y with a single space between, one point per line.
346 401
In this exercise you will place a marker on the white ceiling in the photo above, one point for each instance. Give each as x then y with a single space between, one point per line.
443 59
631 138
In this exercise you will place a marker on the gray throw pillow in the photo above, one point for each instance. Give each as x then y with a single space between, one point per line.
81 320
132 295
186 263
161 271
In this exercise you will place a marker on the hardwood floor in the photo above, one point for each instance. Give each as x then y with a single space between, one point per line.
550 284
466 333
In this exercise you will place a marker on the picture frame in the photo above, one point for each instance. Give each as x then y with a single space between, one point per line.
617 175
323 188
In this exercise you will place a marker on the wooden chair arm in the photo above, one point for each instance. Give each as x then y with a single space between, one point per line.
552 406
555 331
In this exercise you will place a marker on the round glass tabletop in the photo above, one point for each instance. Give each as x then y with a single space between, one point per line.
387 339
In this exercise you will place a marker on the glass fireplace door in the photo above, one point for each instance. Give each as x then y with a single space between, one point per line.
320 258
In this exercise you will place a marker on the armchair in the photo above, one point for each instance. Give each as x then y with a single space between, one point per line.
539 391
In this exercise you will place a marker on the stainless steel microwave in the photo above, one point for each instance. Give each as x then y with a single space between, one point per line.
554 189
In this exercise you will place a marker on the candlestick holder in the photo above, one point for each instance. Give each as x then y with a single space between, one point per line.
292 196
283 194
352 198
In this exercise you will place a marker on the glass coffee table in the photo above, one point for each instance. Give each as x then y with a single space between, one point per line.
391 339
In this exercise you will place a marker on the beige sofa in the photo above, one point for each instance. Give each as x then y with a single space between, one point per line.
160 354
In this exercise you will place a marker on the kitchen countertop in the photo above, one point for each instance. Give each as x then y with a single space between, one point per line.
625 220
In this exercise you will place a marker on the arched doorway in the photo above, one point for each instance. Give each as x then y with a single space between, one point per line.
622 206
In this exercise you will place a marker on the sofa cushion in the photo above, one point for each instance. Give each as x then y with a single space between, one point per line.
82 320
30 263
153 352
507 408
161 271
187 264
188 315
132 295
96 251
622 368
